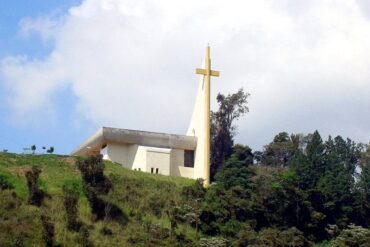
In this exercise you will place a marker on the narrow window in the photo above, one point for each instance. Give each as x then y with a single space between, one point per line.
139 169
189 158
152 170
156 170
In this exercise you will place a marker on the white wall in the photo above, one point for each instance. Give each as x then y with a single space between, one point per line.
158 160
132 156
118 153
177 165
138 158
197 128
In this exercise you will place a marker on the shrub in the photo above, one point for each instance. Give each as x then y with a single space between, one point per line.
104 210
286 238
50 150
36 195
92 173
230 228
214 242
106 231
354 236
246 237
5 183
19 240
48 230
156 204
272 237
71 195
84 237
195 191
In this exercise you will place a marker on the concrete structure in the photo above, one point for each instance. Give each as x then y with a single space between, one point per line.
168 154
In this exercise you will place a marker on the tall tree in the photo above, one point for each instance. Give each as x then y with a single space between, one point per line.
364 188
337 182
280 150
308 163
223 129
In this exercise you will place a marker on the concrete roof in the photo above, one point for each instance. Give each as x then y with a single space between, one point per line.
143 138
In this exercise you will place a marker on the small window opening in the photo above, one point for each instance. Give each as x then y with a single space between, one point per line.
152 170
156 170
139 169
189 158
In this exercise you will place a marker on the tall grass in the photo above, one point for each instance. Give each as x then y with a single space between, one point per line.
144 198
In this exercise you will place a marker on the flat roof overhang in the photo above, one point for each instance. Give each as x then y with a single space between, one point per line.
107 135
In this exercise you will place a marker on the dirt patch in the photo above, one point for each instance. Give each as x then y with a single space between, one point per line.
69 161
19 170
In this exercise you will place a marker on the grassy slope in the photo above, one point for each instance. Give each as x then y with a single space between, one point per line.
143 197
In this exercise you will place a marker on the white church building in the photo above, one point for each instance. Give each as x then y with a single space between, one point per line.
162 153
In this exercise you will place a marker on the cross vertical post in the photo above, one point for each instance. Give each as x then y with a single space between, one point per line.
207 73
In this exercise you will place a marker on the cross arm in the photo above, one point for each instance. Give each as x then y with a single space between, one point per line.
204 72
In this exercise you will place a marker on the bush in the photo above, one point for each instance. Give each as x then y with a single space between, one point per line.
83 238
104 210
106 231
36 195
71 196
92 173
48 230
230 228
156 204
18 240
354 236
214 242
5 183
271 237
195 191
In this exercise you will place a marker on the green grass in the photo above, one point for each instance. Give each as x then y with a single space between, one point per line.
323 244
144 198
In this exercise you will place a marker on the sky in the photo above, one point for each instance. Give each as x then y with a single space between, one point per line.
68 67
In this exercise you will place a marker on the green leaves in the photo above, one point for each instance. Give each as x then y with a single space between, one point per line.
223 130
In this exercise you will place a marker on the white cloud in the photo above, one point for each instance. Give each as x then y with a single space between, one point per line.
43 26
131 64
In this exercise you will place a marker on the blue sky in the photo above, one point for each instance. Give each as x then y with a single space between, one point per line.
69 67
61 134
11 12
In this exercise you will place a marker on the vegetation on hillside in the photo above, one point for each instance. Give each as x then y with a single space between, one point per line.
80 211
299 190
303 191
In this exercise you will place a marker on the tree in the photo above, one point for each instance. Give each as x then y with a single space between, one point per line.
236 171
50 150
257 155
364 188
33 148
280 150
309 163
337 182
227 203
223 130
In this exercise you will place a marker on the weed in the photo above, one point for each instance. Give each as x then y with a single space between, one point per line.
48 230
5 183
92 173
36 195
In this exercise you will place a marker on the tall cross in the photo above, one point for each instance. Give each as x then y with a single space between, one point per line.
207 73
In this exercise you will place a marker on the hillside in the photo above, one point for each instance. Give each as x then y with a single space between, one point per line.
143 198
314 197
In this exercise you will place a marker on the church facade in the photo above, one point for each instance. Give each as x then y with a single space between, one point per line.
161 153
152 152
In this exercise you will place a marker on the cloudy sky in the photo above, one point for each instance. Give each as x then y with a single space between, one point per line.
68 67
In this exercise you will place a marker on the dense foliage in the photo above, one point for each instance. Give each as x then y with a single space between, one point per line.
298 191
301 185
223 128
